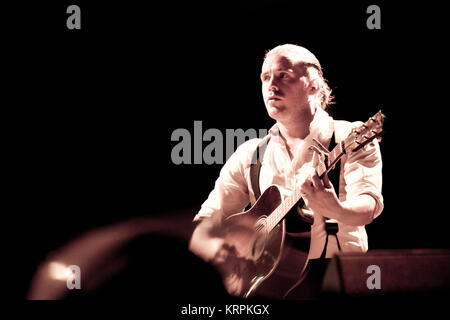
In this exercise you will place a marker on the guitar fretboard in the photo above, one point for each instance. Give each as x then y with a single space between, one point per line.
324 167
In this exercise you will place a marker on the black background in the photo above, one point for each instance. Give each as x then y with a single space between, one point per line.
91 112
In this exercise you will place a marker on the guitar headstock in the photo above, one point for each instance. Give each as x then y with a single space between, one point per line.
371 129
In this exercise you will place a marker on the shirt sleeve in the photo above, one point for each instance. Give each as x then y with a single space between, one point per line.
230 194
363 174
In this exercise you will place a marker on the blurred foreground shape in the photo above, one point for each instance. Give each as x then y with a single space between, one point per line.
138 259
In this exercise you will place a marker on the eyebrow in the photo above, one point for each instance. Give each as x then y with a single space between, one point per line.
308 64
279 70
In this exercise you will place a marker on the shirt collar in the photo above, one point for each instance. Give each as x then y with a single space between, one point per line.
320 128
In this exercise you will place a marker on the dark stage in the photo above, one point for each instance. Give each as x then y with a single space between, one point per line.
91 113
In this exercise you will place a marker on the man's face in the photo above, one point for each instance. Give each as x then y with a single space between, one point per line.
284 87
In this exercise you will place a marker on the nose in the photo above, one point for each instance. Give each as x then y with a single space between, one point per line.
272 86
273 89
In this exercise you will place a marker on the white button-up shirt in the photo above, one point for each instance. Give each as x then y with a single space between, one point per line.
360 174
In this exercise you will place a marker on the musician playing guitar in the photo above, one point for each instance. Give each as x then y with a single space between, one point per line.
292 175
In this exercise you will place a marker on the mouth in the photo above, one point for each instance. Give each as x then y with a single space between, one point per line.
273 99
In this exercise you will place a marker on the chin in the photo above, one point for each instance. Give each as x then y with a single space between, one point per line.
274 112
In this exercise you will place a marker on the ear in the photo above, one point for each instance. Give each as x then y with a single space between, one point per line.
314 86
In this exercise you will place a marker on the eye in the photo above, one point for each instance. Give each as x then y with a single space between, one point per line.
284 75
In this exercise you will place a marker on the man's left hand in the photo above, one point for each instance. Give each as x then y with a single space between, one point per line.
320 196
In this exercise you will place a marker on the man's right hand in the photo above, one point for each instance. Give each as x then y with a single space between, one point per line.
207 238
209 243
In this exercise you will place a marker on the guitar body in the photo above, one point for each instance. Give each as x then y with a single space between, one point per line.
268 263
288 271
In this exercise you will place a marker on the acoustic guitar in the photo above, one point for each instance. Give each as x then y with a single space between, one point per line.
262 259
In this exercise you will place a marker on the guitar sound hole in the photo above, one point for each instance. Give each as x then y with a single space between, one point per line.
259 246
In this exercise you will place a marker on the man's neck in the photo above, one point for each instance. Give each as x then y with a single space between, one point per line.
297 128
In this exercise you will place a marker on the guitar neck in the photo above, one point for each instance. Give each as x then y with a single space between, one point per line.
323 168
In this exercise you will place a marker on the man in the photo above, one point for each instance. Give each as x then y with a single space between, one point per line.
295 94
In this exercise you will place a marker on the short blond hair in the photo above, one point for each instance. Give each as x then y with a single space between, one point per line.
303 55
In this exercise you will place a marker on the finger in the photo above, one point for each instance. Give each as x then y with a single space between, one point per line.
306 187
317 182
326 181
315 159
